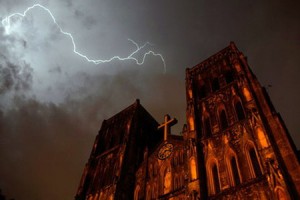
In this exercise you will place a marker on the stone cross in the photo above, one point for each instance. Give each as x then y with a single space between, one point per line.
167 125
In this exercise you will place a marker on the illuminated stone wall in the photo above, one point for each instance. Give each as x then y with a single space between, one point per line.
244 149
164 178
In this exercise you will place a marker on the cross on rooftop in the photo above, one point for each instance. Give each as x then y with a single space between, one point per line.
167 125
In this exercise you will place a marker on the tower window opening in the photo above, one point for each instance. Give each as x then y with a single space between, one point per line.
223 119
239 111
207 127
254 162
229 77
215 175
215 84
202 91
234 170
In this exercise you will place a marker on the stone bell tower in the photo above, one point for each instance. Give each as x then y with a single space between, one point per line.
238 140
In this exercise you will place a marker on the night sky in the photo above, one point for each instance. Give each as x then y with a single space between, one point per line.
52 102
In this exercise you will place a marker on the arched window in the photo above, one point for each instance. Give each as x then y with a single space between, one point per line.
239 110
175 159
215 176
202 92
215 84
223 119
175 182
207 127
254 162
181 157
234 171
229 77
181 180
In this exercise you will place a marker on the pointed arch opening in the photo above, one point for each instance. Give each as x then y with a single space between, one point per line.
181 155
229 77
253 161
235 171
213 176
175 182
233 168
216 180
181 179
239 110
207 126
202 91
223 118
215 84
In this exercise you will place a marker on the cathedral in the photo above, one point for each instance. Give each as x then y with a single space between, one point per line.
234 144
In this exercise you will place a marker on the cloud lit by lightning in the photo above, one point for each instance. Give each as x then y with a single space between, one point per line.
6 23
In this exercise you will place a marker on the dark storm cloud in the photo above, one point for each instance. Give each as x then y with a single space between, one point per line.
14 75
52 142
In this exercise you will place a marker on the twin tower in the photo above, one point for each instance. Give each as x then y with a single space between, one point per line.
234 144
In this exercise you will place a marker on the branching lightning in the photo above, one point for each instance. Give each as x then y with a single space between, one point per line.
6 23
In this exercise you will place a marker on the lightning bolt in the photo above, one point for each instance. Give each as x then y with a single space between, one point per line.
6 23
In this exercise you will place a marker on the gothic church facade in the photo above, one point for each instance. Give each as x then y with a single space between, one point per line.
233 146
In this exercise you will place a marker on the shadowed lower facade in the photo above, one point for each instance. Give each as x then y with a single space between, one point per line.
234 144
